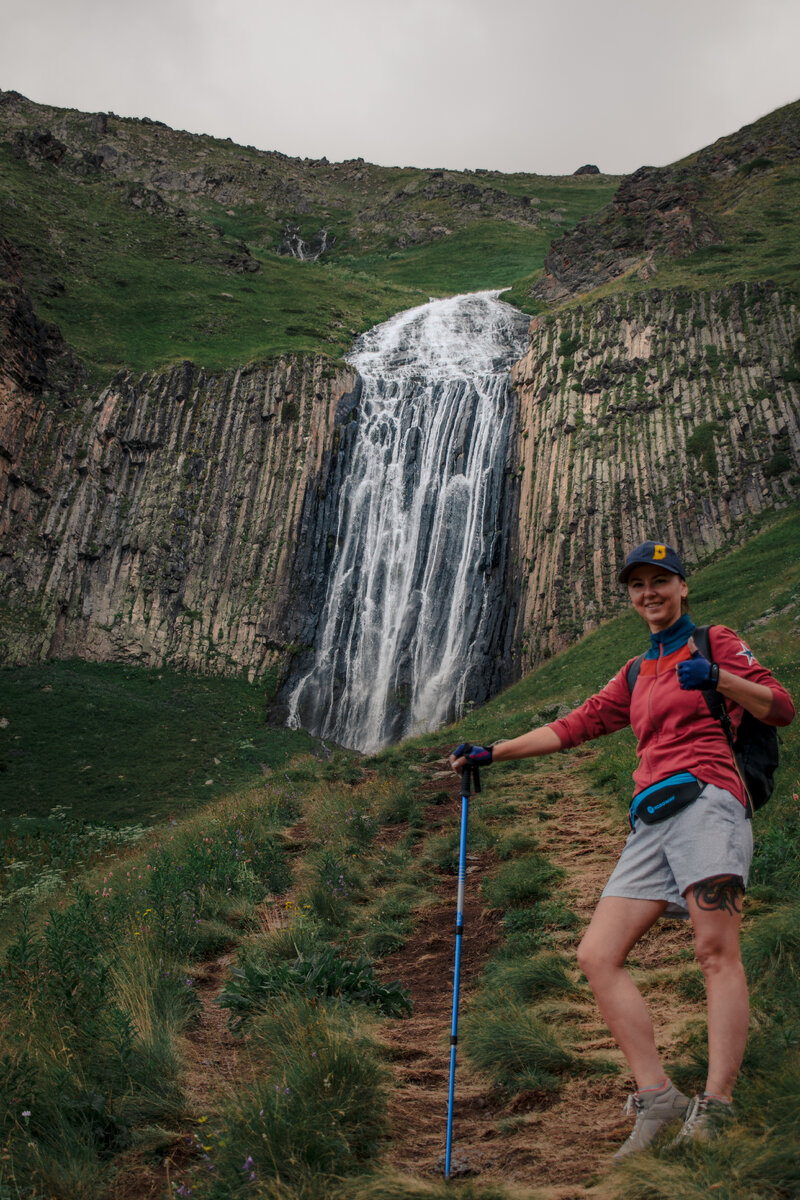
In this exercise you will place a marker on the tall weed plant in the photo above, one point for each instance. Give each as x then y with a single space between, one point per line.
94 998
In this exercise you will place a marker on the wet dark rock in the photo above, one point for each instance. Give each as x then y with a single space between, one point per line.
293 244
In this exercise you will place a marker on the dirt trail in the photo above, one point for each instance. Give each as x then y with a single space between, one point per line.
560 1144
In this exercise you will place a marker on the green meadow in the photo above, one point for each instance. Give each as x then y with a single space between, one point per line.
139 290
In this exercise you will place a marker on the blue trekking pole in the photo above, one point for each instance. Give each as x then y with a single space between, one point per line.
467 772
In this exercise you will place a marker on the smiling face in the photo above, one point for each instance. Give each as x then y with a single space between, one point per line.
656 595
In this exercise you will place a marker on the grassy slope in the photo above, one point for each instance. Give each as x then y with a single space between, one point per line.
490 254
130 289
149 922
113 743
755 208
134 288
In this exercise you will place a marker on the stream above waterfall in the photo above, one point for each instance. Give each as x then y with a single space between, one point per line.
415 615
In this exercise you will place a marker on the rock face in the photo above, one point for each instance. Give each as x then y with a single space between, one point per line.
186 518
159 522
653 211
673 415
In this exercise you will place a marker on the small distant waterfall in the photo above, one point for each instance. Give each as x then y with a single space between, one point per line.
415 612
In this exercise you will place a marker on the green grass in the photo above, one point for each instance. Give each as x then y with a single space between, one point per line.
111 973
491 254
136 289
317 1113
758 219
515 1047
114 743
139 290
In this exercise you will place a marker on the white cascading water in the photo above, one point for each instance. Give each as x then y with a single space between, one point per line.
407 619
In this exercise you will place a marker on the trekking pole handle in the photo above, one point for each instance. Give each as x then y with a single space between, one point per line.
470 779
469 773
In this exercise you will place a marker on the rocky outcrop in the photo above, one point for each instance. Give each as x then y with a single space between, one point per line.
654 211
159 522
668 212
35 357
673 415
190 177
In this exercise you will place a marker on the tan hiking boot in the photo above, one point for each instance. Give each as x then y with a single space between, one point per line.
653 1111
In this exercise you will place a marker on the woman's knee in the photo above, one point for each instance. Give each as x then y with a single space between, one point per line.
593 956
716 957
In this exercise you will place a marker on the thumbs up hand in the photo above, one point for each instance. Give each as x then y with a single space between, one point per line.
697 673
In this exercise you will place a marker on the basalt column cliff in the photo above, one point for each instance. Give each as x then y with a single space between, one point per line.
159 522
670 414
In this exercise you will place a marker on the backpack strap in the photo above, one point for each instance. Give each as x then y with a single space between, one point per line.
718 709
633 672
714 700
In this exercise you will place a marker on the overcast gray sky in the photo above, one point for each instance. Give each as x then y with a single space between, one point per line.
513 85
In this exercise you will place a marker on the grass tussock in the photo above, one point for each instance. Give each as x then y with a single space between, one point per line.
389 1186
514 1048
327 973
317 1113
526 979
521 882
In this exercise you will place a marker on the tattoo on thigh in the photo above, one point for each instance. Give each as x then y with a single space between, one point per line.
723 893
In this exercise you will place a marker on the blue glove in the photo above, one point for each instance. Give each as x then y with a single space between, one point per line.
698 674
475 756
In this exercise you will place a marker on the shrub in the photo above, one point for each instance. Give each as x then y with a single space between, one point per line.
700 443
319 1112
778 464
771 957
90 1052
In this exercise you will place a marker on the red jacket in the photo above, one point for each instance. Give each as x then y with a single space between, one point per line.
674 729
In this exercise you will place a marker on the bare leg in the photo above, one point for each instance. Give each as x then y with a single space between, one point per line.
715 907
616 927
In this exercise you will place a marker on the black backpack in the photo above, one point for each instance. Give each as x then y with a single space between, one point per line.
755 746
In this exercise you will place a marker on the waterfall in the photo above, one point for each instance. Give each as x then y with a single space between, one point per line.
414 617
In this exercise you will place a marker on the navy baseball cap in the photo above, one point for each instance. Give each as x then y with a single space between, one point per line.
655 554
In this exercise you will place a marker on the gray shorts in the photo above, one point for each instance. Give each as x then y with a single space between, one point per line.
660 862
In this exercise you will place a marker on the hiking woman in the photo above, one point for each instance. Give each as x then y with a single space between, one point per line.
690 846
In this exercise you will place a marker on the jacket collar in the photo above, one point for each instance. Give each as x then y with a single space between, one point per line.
667 641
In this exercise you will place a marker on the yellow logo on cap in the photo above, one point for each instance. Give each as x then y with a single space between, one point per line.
660 552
